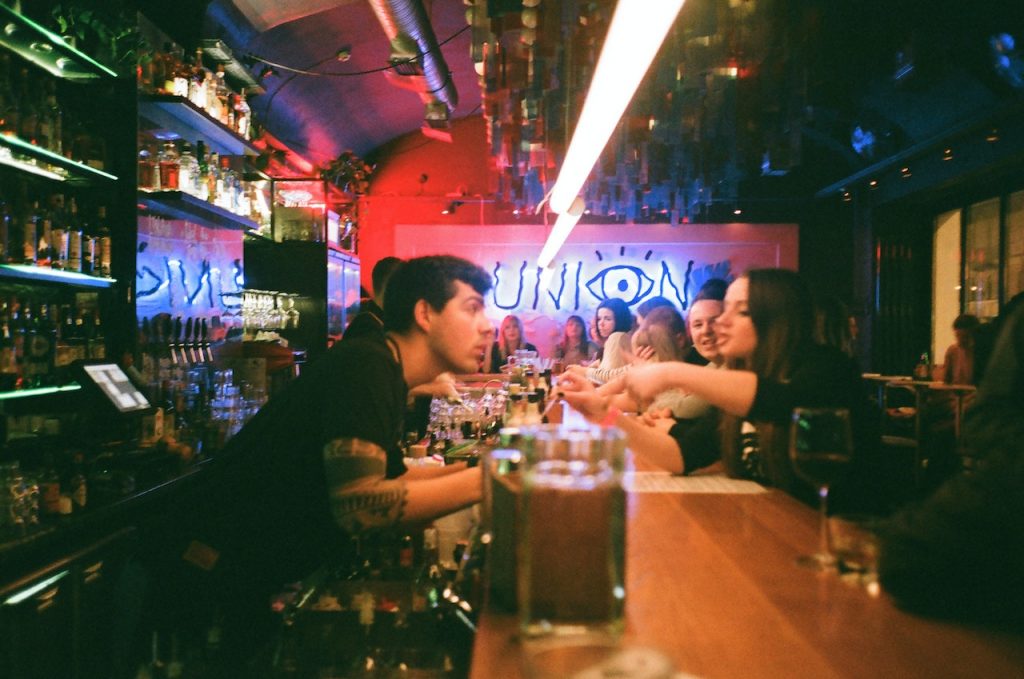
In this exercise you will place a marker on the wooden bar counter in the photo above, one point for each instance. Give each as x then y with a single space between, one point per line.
712 583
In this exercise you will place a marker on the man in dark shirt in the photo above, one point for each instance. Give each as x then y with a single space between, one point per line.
321 461
370 319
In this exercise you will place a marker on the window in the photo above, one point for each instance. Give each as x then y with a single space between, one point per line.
1013 281
981 259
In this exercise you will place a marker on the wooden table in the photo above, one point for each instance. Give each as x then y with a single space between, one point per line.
712 583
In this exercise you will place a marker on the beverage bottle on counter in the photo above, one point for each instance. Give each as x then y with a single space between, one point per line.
923 369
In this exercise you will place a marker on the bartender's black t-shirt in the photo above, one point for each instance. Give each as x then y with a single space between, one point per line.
263 506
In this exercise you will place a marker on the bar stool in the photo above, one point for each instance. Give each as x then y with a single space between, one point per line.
902 407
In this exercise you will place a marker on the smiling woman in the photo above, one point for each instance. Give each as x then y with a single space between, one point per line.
765 336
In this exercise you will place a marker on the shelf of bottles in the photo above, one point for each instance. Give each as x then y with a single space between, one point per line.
182 205
46 49
42 333
186 120
37 136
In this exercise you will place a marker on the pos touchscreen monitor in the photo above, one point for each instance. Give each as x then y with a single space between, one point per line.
116 386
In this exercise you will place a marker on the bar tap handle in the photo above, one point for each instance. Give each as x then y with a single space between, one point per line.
166 325
176 343
188 342
205 341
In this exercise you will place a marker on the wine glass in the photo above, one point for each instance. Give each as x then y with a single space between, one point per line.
820 448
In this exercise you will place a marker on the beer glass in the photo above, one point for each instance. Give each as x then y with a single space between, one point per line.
570 531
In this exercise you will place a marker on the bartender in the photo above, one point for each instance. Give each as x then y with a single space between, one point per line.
321 462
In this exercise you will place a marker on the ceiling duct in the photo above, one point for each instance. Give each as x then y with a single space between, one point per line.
416 56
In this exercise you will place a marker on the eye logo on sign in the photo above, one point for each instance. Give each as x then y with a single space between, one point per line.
628 283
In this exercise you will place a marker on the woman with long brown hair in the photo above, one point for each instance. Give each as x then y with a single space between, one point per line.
765 334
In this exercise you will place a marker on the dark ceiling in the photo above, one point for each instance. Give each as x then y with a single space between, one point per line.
809 74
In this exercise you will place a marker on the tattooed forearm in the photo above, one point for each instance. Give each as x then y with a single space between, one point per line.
361 498
374 504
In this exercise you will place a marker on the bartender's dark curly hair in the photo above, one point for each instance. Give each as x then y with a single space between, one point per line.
428 278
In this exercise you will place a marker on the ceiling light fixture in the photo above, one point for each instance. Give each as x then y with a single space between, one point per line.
634 36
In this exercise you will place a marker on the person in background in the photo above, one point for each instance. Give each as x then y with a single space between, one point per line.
612 323
960 553
322 464
370 318
511 338
765 334
832 325
958 364
575 348
650 304
700 319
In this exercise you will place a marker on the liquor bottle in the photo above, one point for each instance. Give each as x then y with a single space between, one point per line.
6 229
18 332
243 116
39 347
44 246
49 487
197 81
188 170
221 90
74 238
202 170
8 357
167 70
96 342
212 102
212 168
182 74
63 353
51 121
77 486
923 369
101 254
8 98
149 176
27 114
29 233
58 236
167 162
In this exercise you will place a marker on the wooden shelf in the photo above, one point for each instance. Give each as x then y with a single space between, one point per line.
46 49
181 117
38 274
181 205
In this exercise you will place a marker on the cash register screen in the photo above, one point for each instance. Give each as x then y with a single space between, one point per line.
113 382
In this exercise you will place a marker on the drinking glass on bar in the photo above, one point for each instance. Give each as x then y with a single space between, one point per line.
571 531
820 448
